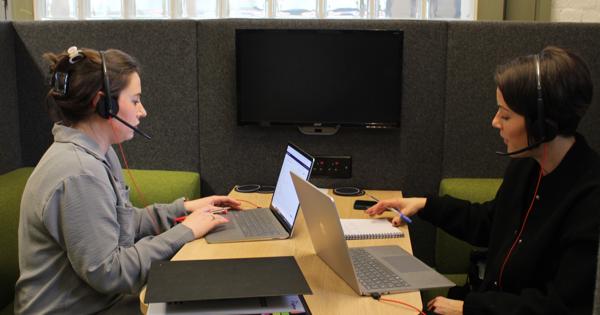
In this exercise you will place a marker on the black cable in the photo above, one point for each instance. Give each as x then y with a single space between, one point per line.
376 296
5 10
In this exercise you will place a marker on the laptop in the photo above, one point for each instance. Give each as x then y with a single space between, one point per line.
368 270
277 221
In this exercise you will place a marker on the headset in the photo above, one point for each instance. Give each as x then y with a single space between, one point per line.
109 107
539 129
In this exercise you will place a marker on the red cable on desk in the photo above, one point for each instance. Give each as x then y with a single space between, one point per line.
402 303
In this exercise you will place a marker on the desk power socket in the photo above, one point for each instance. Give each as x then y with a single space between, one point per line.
333 166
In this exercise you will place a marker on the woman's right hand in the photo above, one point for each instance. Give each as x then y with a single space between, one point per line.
201 222
408 206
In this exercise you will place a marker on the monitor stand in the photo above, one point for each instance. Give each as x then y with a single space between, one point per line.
319 130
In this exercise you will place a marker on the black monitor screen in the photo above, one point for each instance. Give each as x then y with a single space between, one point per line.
319 77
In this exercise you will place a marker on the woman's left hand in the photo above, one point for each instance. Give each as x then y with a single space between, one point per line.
444 306
211 202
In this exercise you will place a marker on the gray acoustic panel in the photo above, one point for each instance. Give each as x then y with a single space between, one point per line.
166 51
10 143
407 158
597 294
474 51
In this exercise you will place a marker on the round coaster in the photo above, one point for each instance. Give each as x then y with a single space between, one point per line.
348 191
266 189
250 188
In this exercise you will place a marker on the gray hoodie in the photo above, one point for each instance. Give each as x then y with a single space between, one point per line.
82 245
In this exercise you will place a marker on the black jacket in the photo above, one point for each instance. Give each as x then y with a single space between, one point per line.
552 270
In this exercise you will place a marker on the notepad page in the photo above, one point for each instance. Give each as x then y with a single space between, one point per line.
369 229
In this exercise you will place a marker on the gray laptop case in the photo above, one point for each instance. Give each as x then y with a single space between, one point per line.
388 269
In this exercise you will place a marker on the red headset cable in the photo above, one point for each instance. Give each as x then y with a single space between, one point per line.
377 296
136 187
512 247
402 303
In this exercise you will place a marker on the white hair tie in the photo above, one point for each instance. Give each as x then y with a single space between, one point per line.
74 54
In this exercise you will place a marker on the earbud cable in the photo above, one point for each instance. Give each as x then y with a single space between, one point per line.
136 187
512 247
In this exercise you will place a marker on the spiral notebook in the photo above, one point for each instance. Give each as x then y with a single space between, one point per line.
362 229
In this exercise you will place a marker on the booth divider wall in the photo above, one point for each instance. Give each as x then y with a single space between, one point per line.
382 159
10 141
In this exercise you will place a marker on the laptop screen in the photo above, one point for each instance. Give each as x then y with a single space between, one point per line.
285 201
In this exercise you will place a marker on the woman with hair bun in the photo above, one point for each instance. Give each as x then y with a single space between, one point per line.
83 247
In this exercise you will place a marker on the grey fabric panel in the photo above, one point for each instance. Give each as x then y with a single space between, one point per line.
597 298
407 158
382 159
474 51
10 143
166 51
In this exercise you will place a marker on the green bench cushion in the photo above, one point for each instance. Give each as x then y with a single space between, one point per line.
162 186
11 189
452 255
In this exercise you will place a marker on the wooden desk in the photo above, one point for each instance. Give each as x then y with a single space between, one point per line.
331 295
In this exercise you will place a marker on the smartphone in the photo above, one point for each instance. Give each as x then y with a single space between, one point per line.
363 204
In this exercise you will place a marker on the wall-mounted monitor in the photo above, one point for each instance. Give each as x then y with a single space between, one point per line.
319 78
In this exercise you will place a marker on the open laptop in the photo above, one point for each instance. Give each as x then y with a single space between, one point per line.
275 222
368 270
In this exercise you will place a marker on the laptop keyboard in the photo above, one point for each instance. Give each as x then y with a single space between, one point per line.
254 223
372 274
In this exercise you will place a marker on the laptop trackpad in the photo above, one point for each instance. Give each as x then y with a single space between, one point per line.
405 264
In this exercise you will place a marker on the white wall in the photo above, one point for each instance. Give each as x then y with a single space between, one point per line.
575 11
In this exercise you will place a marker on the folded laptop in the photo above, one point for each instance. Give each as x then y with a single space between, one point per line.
277 221
368 270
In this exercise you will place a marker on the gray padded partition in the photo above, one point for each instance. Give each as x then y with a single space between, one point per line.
407 158
10 143
166 51
474 51
597 294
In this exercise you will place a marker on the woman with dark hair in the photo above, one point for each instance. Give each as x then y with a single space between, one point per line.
541 229
83 248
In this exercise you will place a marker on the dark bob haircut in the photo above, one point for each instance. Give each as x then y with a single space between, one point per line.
567 87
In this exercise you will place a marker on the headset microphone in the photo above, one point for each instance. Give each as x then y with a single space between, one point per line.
143 134
109 107
529 147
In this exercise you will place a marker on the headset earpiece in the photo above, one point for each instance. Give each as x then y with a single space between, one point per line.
541 129
107 109
108 106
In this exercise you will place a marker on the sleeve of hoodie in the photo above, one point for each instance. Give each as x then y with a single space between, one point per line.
157 218
96 235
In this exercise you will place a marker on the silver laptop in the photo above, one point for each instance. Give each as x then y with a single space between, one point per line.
275 222
368 270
